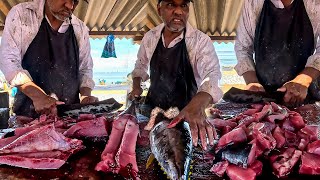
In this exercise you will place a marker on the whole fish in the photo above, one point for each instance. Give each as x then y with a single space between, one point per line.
172 148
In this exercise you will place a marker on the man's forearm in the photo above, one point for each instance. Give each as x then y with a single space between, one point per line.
31 90
85 91
201 100
136 82
250 77
307 76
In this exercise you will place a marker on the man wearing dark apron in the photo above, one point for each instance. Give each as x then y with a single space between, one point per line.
284 41
172 75
52 60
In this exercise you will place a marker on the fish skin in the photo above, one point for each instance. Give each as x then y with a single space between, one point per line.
172 147
245 96
236 154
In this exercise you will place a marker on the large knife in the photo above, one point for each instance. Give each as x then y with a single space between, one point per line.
105 106
244 96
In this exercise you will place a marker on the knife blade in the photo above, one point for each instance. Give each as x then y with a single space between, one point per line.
244 96
105 106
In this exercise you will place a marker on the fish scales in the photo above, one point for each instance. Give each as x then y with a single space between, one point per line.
172 147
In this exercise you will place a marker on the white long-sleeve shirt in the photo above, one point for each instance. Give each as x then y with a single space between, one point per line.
202 55
246 32
21 26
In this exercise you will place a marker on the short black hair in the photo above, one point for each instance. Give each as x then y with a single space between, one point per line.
159 1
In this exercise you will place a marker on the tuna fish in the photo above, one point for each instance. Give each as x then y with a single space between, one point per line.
172 147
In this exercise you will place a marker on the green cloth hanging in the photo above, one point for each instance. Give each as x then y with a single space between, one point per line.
109 49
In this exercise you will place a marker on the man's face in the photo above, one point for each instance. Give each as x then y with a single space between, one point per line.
62 9
174 14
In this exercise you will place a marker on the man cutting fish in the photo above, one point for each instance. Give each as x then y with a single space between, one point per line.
283 36
45 52
184 68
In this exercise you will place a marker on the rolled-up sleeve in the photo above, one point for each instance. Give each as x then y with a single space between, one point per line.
142 63
314 60
244 42
209 70
85 61
11 50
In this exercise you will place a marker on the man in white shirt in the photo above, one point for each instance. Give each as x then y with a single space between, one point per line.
45 52
283 36
184 69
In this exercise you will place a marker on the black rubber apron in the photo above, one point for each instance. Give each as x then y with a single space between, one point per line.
283 42
52 60
171 75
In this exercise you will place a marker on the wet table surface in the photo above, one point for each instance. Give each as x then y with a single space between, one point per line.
81 165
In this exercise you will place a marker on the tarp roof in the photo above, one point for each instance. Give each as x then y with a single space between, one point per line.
132 18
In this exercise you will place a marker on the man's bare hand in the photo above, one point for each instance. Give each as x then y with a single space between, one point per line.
257 87
295 93
194 114
88 99
46 105
136 92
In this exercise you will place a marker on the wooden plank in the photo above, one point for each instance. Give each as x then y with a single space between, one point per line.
222 38
116 33
138 35
4 8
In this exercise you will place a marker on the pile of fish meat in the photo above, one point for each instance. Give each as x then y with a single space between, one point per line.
119 155
270 132
47 142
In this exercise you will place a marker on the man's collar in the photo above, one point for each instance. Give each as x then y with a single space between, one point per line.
279 4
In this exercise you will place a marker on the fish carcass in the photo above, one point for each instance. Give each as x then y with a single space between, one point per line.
171 147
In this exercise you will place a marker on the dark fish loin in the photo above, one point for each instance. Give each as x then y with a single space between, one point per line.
235 154
245 96
105 106
172 147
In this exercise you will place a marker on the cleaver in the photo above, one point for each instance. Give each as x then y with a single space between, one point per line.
105 106
244 96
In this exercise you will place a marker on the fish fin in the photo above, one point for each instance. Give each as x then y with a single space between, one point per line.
150 161
175 121
153 117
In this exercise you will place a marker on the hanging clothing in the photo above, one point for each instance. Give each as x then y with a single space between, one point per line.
109 48
284 40
171 77
52 60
